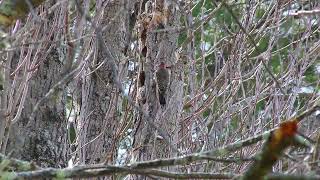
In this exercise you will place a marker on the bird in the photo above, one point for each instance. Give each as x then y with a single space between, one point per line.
162 80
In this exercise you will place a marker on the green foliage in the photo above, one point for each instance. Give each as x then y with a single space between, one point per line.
7 176
182 37
4 165
206 113
260 12
4 173
60 175
72 134
69 104
224 17
275 64
234 124
262 45
297 103
296 27
196 11
282 47
310 75
24 166
260 106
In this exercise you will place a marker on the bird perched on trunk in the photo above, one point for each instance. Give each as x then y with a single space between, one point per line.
162 79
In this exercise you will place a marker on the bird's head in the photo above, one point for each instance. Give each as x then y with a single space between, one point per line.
162 65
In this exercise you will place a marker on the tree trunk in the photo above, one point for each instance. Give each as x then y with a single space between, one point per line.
99 119
43 137
157 47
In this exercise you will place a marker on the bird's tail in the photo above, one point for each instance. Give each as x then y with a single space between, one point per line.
162 98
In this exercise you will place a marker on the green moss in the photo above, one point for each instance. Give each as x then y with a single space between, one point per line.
7 175
25 167
60 175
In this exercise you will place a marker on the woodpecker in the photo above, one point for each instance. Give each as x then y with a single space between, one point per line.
162 79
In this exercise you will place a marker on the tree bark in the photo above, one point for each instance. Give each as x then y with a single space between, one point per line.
42 138
100 101
158 46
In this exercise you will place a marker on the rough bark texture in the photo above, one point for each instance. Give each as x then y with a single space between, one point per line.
42 138
158 47
98 120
